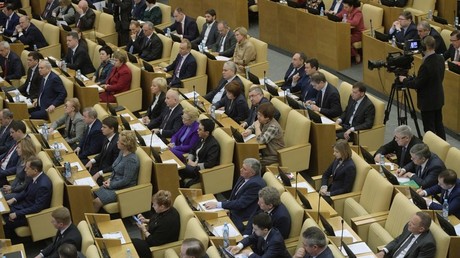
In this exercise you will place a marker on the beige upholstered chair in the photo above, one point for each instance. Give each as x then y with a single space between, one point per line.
105 28
445 34
284 110
92 252
134 93
330 78
200 80
452 158
371 13
169 58
59 111
167 45
271 180
165 15
436 144
135 199
261 63
292 246
101 111
51 34
93 52
38 223
86 236
421 7
296 212
200 20
344 92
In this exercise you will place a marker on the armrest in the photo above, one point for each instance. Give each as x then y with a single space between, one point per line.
339 200
38 229
361 224
221 173
317 181
126 99
134 200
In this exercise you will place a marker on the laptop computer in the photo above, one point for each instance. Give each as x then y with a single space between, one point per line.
305 203
440 20
79 82
417 199
294 103
236 135
367 155
315 117
148 67
272 90
445 225
284 178
52 62
328 229
132 58
313 11
390 176
453 67
139 138
100 41
253 78
333 18
382 36
125 123
156 155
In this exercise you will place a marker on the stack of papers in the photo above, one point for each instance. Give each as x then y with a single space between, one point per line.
156 141
358 248
202 208
61 146
2 208
346 233
115 235
127 116
85 181
310 189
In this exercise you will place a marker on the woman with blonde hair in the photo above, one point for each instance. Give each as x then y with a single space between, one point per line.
187 136
245 52
158 88
73 122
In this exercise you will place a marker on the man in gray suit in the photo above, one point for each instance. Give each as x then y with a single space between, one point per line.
226 42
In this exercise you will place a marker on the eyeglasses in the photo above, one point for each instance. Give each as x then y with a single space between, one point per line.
453 40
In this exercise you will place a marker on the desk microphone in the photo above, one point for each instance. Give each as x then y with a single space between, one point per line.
265 80
151 138
341 237
319 204
195 102
372 28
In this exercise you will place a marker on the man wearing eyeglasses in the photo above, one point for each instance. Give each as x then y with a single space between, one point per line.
399 146
453 53
404 28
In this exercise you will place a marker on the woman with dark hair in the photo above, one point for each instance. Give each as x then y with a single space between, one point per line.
119 79
162 228
187 136
103 71
356 21
339 177
152 12
234 103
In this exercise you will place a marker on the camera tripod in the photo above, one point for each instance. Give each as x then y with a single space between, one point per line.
402 108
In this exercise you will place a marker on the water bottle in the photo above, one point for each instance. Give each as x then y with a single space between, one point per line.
381 162
213 111
445 209
78 74
45 131
344 17
16 98
57 151
429 15
393 41
67 171
128 253
64 66
225 235
35 47
247 70
321 12
168 32
456 21
288 92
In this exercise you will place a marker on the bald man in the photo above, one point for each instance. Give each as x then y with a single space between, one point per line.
170 120
84 16
29 34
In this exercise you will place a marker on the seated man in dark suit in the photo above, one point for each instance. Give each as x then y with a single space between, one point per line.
184 66
226 42
400 146
35 198
243 199
424 168
424 29
184 25
416 239
209 31
256 96
358 115
448 188
170 120
270 203
31 87
404 28
453 53
9 159
303 83
137 37
102 163
91 142
10 62
296 68
152 46
328 98
228 75
29 34
6 140
52 92
49 7
9 19
77 57
314 245
84 16
67 233
137 10
265 241
192 247
205 154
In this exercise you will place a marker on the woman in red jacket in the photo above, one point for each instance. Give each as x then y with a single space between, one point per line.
356 21
119 79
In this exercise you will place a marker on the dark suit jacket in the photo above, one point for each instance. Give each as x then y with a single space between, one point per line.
187 70
253 112
159 107
333 5
440 45
288 79
410 33
331 102
343 178
91 143
9 30
15 69
364 115
273 247
423 247
453 199
103 71
47 14
220 86
237 109
136 44
33 36
212 36
428 83
172 125
105 159
70 236
208 155
450 53
190 28
307 92
392 147
11 165
151 48
79 60
429 176
53 93
243 204
281 220
6 141
86 22
137 10
34 89
36 197
121 14
327 253
229 44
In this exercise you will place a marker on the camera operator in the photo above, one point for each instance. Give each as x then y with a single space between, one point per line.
428 83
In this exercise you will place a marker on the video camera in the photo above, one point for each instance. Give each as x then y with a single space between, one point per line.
397 62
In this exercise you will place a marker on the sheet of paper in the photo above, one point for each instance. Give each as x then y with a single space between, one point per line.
128 116
219 231
171 161
222 58
61 146
85 181
61 22
403 179
76 164
310 189
137 127
326 120
202 208
457 229
358 248
346 233
283 93
115 235
190 95
2 208
156 141
95 86
249 137
1 195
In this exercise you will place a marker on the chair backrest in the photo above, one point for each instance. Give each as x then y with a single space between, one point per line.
374 13
97 19
38 24
296 212
36 143
401 211
362 168
201 62
170 253
101 112
330 78
442 240
93 52
106 24
212 252
297 129
247 84
145 167
136 75
445 34
200 20
344 92
284 110
58 187
376 193
174 52
24 54
185 213
68 85
271 180
424 5
437 28
86 237
92 252
167 45
261 49
436 144
45 158
379 109
452 158
51 34
195 230
226 144
165 12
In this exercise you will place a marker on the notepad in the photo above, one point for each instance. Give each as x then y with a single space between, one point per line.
201 206
326 120
156 141
222 58
137 127
128 116
76 164
115 235
310 189
192 94
85 181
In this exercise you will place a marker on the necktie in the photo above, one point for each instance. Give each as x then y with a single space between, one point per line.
353 110
78 23
403 157
10 151
240 185
320 99
106 146
294 70
404 245
42 89
165 121
457 54
69 128
178 66
446 195
71 58
419 171
5 70
48 6
30 80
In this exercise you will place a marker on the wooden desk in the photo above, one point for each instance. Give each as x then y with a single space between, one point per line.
14 248
115 249
308 38
322 138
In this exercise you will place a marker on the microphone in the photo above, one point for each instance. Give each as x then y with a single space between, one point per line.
195 102
319 204
341 238
151 138
372 28
265 80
